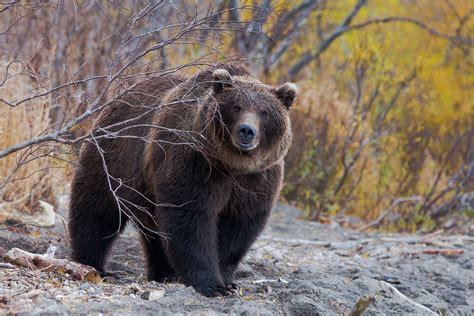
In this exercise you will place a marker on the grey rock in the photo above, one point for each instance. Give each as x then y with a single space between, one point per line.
306 269
455 298
304 306
244 271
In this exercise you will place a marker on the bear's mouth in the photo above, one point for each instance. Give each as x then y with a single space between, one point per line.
246 147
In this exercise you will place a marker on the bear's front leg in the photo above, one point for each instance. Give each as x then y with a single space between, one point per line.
236 236
187 220
245 217
190 245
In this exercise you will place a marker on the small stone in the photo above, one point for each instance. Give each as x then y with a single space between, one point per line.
283 281
343 253
455 298
354 270
6 265
389 278
345 245
306 269
91 290
145 295
134 288
85 286
268 289
244 271
302 305
156 295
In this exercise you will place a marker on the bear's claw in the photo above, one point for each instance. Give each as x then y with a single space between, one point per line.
232 286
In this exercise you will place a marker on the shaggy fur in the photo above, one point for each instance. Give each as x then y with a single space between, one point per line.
169 152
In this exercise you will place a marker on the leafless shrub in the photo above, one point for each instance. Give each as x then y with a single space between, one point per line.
65 62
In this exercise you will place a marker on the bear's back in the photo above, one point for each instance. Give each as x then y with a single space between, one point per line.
139 103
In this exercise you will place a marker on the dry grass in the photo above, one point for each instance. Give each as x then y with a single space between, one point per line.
29 175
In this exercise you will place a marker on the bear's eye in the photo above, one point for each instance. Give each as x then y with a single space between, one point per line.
264 112
237 108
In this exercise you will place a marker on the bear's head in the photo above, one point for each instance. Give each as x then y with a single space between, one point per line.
245 123
251 120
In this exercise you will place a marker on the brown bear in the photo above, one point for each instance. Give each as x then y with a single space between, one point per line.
195 163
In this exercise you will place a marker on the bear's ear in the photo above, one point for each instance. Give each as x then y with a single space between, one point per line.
221 80
286 93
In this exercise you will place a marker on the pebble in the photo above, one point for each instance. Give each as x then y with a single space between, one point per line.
306 269
347 245
268 289
145 295
152 295
389 278
303 305
92 290
244 271
84 286
134 288
343 253
283 281
455 298
6 265
156 295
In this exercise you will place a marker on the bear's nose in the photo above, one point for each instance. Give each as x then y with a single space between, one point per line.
246 133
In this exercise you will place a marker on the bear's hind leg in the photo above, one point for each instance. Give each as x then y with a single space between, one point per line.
158 267
94 223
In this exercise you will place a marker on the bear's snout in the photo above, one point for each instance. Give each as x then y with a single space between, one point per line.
246 133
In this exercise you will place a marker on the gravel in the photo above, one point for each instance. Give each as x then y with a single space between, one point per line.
295 268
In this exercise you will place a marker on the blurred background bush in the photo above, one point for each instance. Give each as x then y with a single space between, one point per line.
383 126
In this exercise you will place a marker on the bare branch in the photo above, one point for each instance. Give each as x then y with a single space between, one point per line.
98 105
290 15
432 31
338 31
346 27
303 11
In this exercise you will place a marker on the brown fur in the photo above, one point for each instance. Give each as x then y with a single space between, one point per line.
197 189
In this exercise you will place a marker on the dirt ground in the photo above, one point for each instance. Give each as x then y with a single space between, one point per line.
296 268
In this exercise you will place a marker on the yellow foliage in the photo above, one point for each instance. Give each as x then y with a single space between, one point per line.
421 145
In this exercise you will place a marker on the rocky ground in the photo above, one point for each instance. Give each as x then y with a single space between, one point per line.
296 267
